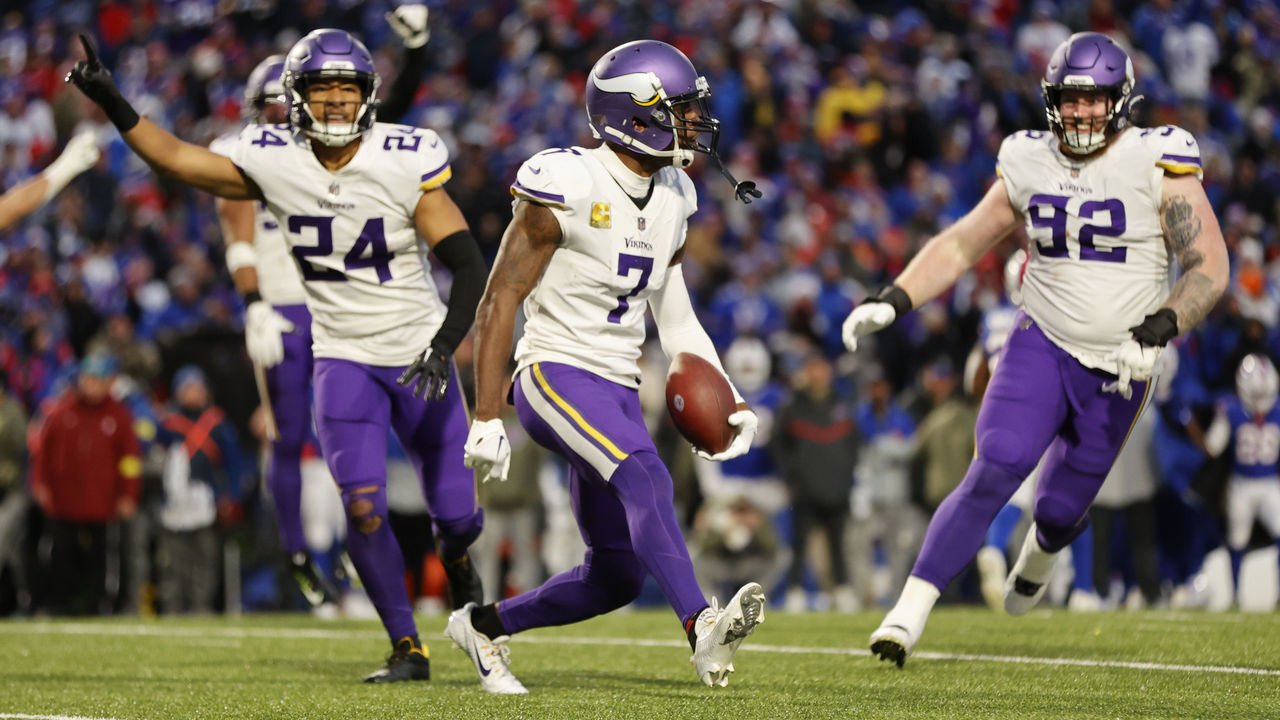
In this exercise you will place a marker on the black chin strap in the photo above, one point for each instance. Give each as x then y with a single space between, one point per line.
746 190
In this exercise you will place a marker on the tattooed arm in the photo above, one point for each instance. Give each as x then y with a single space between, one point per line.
527 246
1192 235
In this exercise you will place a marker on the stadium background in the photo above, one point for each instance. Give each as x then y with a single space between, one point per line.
868 128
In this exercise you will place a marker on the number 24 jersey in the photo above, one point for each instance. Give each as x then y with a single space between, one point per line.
352 235
1098 262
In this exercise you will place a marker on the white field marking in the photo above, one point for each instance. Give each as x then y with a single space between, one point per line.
965 657
19 716
299 633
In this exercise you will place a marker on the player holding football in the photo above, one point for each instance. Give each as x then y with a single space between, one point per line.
1105 207
353 197
277 324
597 237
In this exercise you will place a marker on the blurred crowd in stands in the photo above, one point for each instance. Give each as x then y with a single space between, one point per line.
869 126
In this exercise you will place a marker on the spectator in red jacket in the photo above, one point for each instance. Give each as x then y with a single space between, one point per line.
85 474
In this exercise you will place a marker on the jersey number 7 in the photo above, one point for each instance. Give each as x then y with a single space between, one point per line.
372 237
627 263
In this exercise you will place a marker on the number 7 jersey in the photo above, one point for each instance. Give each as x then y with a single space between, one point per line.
1099 263
588 309
352 235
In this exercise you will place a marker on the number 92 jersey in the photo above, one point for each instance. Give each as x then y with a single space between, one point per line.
1098 262
588 308
352 235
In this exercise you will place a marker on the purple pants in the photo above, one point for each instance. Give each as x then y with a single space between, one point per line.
621 495
289 390
355 405
1041 401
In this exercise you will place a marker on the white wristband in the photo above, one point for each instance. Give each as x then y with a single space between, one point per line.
241 255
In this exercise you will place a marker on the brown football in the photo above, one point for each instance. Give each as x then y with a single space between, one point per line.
700 402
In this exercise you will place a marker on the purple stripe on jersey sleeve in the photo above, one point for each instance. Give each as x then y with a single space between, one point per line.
550 197
1187 159
435 172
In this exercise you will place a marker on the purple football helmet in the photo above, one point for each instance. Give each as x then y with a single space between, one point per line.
643 82
329 54
264 87
1088 61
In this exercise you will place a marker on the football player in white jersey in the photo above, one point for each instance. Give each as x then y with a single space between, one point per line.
597 237
277 324
355 200
1107 207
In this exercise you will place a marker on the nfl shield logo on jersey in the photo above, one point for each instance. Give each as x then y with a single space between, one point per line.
640 223
334 188
601 215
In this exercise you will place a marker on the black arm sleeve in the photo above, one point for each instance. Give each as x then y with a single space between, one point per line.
460 253
400 94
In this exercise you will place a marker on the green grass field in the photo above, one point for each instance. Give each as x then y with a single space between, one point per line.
971 664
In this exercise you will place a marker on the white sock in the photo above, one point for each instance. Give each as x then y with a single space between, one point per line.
914 605
1036 562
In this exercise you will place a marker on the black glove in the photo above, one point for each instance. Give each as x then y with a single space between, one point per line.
1157 329
433 371
94 80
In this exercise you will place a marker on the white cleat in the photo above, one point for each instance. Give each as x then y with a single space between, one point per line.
892 642
1029 579
490 657
719 632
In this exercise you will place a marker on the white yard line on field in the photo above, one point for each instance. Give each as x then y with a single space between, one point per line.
19 716
45 628
965 657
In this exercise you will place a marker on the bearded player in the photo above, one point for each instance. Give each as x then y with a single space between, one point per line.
1107 207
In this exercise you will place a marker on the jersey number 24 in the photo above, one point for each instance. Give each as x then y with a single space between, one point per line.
372 239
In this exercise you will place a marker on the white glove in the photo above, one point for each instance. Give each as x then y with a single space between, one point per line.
1134 361
264 329
410 23
487 450
867 318
80 154
746 422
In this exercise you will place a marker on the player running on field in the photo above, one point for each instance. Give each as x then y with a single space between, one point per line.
356 199
277 323
597 237
1106 208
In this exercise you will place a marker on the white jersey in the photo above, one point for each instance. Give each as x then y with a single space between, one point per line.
278 280
1098 263
352 236
588 309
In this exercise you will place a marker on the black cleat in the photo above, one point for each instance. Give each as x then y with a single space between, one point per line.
892 642
408 661
464 582
890 650
314 586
